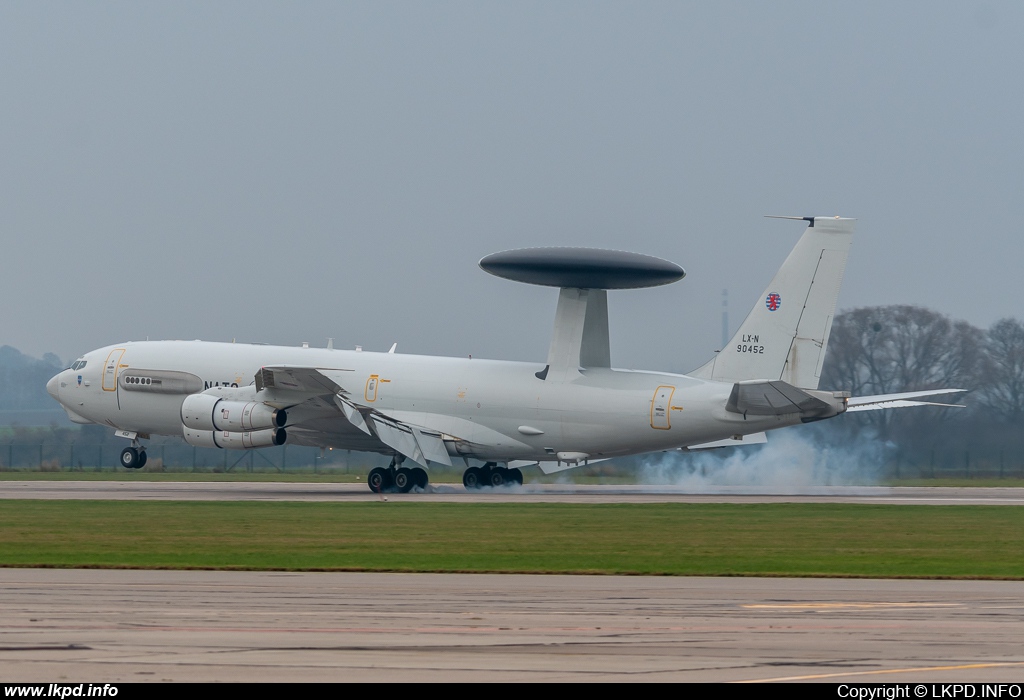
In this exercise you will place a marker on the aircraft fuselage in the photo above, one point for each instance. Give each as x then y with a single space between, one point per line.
501 407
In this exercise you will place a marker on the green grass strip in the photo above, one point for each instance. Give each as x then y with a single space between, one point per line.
659 539
124 475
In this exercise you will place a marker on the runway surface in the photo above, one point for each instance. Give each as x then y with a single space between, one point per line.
108 626
531 493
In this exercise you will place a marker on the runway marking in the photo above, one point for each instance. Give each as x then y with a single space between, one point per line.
836 606
818 676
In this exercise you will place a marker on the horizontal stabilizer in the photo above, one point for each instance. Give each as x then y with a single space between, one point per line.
901 400
777 398
736 441
901 404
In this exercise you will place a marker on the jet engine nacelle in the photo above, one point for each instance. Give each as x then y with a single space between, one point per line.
235 440
209 412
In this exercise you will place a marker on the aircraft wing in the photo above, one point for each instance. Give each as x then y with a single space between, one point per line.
323 388
313 381
901 400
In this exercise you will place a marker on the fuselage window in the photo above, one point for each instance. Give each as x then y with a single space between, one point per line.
78 364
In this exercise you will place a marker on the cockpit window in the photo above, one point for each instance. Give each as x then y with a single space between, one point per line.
78 364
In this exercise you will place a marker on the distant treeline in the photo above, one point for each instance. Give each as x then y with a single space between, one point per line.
23 380
889 349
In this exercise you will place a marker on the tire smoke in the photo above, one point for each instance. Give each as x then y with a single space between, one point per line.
790 463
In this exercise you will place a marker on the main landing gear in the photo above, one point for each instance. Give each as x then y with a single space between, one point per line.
491 475
133 457
396 479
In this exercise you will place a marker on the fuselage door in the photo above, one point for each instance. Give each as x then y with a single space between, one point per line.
660 406
370 394
110 368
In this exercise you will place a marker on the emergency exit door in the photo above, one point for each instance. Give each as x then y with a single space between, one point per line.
660 406
110 369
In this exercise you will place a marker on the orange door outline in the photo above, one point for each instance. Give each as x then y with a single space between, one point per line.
110 369
370 393
660 405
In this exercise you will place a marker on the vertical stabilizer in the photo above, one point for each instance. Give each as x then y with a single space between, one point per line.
786 333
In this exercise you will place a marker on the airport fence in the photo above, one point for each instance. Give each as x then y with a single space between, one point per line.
176 456
978 463
180 457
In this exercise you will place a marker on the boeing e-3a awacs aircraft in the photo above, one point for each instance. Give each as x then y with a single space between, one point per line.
571 410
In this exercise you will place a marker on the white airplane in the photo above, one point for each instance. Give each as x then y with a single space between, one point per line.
569 411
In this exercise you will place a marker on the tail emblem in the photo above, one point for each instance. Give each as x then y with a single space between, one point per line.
773 301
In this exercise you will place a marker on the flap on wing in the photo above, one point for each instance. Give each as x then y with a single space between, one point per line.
461 429
354 415
401 439
432 446
419 444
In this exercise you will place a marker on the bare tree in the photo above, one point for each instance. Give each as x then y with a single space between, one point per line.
1003 385
887 349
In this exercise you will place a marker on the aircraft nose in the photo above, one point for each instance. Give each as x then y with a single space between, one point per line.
52 386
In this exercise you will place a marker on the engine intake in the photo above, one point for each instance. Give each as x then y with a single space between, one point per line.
209 412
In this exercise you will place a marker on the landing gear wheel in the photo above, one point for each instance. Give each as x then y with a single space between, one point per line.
514 477
130 458
497 477
404 480
422 478
142 459
379 480
472 478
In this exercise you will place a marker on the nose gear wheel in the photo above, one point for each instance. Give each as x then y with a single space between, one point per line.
133 458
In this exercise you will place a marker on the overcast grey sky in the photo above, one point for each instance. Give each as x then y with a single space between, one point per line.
286 172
